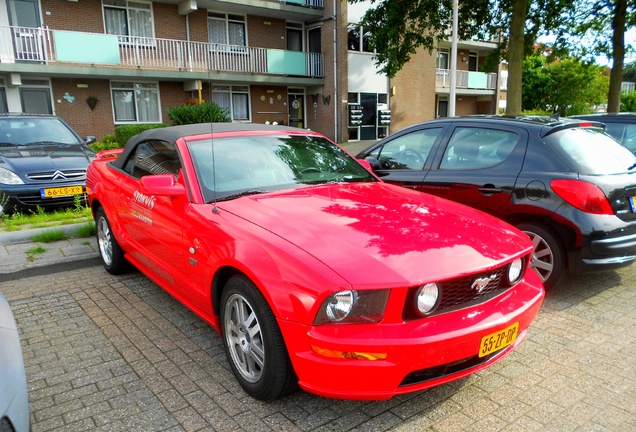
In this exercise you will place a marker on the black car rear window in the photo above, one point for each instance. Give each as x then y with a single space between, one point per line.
590 151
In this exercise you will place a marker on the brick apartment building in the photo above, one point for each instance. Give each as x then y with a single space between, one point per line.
304 63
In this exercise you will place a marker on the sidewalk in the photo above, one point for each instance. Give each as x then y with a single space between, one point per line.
22 257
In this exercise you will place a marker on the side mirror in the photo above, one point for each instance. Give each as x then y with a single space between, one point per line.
373 163
162 185
90 139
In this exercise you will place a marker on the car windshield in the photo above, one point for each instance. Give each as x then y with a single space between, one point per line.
236 166
591 151
25 131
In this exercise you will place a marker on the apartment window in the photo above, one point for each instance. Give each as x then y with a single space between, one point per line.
136 102
294 36
359 39
442 58
473 61
227 29
235 99
128 18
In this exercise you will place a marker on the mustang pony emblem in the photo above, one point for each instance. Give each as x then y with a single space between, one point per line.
481 283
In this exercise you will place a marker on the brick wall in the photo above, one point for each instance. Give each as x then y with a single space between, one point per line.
85 15
269 103
414 99
263 35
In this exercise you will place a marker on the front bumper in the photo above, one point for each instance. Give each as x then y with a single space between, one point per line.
420 354
28 197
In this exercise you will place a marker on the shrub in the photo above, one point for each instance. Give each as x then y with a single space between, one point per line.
628 102
124 132
205 112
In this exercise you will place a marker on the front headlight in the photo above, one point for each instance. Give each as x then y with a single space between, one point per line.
9 177
351 306
427 297
515 271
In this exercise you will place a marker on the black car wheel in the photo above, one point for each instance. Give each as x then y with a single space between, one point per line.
548 256
110 252
253 342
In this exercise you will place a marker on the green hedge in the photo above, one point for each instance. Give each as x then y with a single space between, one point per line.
193 113
124 132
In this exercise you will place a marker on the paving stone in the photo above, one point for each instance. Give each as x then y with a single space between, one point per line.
108 353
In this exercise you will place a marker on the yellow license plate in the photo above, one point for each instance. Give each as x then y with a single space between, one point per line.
498 340
61 191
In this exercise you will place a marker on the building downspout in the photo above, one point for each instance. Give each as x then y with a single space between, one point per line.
336 99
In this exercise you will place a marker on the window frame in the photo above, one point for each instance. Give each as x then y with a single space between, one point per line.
134 87
128 38
234 90
226 19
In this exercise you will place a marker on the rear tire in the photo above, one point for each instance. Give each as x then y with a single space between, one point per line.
253 342
111 254
548 257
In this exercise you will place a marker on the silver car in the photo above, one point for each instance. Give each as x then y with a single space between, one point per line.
14 401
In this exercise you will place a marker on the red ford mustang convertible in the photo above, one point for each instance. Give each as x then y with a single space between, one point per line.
316 273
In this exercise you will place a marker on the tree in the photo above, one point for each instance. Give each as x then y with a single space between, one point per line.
399 27
597 27
567 86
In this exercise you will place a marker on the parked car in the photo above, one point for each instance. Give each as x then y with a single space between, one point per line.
42 162
621 126
14 399
566 183
313 270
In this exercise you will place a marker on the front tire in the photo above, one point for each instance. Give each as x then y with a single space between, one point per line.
548 257
111 254
253 342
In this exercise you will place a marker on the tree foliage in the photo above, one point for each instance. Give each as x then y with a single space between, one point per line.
566 86
597 27
399 27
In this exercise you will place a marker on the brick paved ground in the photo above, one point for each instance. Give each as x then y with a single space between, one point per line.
118 354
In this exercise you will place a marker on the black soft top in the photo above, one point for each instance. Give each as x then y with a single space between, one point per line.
173 133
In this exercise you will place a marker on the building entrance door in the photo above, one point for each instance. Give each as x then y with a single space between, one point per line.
296 104
368 128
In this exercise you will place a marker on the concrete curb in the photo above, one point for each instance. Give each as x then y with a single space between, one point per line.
26 236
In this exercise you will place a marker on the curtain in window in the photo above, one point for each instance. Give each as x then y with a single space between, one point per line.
115 21
241 107
147 105
237 33
216 32
140 23
124 105
222 100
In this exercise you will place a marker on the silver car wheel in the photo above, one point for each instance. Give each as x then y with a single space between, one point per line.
542 260
244 338
105 241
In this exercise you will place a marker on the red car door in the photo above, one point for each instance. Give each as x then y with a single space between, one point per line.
153 224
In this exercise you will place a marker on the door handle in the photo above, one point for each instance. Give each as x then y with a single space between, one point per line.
489 189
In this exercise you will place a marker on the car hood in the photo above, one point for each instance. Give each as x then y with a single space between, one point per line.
370 232
22 159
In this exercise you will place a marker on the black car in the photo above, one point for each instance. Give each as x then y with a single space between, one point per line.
42 162
621 126
568 184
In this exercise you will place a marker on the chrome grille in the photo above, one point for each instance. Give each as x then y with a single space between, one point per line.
58 175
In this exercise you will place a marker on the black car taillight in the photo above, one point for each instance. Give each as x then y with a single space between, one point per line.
584 196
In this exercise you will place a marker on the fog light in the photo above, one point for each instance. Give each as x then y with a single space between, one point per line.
515 271
340 305
427 297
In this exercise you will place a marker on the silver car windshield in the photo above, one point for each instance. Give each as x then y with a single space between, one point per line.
26 131
235 166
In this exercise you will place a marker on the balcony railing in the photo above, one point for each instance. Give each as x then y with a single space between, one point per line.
467 80
42 45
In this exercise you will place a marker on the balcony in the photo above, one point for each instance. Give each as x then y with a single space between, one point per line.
66 48
467 80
